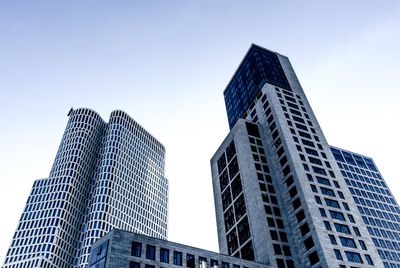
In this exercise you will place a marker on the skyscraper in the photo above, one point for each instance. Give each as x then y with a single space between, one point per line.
281 195
105 176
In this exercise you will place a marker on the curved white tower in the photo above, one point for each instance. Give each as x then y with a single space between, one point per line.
105 176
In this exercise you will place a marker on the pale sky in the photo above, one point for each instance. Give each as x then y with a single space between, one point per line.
166 63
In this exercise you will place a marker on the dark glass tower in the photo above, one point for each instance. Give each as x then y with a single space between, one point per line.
258 67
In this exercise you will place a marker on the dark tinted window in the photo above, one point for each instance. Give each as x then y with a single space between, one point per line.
150 252
136 249
177 258
164 255
230 150
190 261
247 252
252 129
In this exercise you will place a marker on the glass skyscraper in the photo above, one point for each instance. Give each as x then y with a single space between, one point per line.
105 176
284 196
380 211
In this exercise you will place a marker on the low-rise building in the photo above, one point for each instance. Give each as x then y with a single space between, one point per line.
119 249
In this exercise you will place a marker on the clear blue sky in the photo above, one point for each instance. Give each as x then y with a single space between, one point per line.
166 63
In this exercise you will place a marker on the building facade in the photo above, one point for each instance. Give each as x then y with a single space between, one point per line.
105 176
280 196
380 211
120 249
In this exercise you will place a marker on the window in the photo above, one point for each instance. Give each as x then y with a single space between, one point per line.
177 258
215 263
296 203
277 249
230 150
300 216
240 207
353 257
356 231
229 219
277 212
313 258
223 180
323 181
315 160
341 228
136 249
362 244
308 243
304 229
289 181
332 203
190 261
280 263
134 264
225 265
336 215
164 255
286 170
293 192
271 222
268 210
283 236
233 167
221 163
332 239
290 264
236 187
319 170
308 143
243 230
232 241
369 259
274 235
347 242
314 188
263 187
203 260
327 225
247 252
338 254
252 130
226 198
286 251
322 212
150 252
327 191
149 266
336 184
306 167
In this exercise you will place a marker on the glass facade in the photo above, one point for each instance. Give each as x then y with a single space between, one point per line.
380 211
259 66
